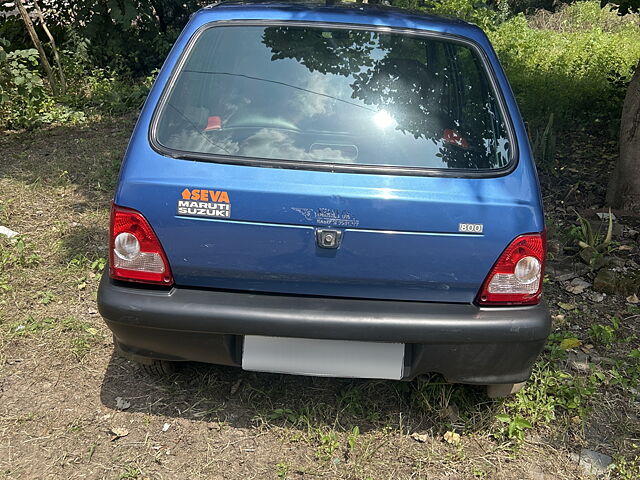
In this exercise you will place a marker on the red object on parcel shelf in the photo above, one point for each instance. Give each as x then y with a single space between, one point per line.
213 123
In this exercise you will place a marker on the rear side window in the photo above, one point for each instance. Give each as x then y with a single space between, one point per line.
334 95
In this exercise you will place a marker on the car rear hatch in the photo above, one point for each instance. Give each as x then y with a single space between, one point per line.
401 236
411 166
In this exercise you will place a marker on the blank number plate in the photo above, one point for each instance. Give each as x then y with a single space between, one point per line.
324 358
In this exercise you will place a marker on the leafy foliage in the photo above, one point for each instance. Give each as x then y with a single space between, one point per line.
18 72
126 36
587 238
569 64
579 75
478 12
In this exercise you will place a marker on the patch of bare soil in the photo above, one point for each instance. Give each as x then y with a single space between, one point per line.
70 408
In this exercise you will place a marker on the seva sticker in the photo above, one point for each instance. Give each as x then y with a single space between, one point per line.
199 202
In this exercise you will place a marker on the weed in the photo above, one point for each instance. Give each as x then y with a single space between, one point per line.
282 470
45 297
587 238
328 444
75 426
26 418
288 415
513 428
130 472
106 175
82 261
80 335
604 334
549 393
32 325
626 373
352 438
14 252
544 145
627 469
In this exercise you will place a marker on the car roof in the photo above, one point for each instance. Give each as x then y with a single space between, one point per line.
355 13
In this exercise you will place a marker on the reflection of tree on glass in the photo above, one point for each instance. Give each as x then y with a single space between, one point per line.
336 95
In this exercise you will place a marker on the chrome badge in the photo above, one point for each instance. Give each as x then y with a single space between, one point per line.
470 227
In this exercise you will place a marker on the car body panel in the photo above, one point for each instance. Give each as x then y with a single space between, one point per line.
401 237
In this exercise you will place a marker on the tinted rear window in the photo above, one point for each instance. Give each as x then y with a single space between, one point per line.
334 95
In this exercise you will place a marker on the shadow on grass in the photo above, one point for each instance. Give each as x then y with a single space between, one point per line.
241 399
87 156
82 245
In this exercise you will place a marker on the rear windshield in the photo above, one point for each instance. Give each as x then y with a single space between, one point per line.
334 95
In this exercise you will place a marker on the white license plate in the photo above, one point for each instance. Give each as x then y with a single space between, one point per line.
324 358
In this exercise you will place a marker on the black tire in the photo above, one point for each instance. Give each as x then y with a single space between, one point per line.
158 368
155 368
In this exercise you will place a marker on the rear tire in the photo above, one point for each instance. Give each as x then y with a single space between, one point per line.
501 390
155 368
158 368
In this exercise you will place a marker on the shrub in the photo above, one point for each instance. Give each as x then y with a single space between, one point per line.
27 102
578 72
478 12
21 88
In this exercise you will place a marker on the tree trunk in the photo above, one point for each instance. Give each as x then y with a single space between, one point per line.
624 186
36 42
160 15
56 57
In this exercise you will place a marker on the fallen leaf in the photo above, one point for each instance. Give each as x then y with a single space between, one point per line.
567 306
595 296
122 404
633 299
452 437
165 427
569 343
92 331
420 437
625 248
577 286
118 432
605 216
235 387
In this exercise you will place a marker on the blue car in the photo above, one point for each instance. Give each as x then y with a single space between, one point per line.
335 190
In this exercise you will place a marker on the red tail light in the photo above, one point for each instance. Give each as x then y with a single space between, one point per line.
135 253
516 278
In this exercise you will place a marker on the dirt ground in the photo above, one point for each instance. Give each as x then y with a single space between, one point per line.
70 408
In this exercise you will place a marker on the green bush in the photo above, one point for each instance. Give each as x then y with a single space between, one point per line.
27 102
21 88
578 72
574 64
474 11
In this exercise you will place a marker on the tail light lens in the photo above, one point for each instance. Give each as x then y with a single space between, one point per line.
516 278
135 252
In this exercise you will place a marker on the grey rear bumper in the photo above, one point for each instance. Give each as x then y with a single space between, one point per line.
465 343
